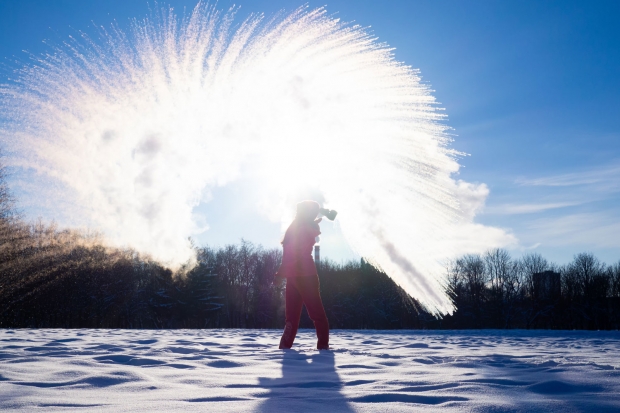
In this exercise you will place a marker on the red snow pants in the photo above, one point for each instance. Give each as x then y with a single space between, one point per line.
299 291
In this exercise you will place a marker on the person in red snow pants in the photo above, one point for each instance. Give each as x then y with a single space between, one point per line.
302 280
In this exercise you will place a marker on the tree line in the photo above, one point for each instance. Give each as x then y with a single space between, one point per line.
493 290
51 277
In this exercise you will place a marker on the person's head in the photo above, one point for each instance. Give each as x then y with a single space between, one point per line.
307 210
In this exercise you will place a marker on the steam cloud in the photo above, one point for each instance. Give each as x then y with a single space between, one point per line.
137 128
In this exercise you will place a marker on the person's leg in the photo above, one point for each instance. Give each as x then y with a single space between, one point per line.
293 313
312 299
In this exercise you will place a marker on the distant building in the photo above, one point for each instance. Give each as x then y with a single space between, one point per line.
547 285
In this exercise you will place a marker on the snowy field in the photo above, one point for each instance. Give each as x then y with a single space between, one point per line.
367 371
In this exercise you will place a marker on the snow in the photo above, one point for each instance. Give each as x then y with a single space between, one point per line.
367 371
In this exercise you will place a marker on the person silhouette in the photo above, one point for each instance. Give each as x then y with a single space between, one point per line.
302 280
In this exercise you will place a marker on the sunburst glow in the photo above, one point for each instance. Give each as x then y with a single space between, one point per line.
137 128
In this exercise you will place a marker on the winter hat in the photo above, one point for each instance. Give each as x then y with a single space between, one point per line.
307 210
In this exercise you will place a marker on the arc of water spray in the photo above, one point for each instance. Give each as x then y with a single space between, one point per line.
136 128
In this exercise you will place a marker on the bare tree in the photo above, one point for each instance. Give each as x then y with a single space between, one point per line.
614 290
7 201
586 284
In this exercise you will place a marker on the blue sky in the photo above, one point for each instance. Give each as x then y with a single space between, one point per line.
530 89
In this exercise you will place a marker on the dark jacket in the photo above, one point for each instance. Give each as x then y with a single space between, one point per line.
298 242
